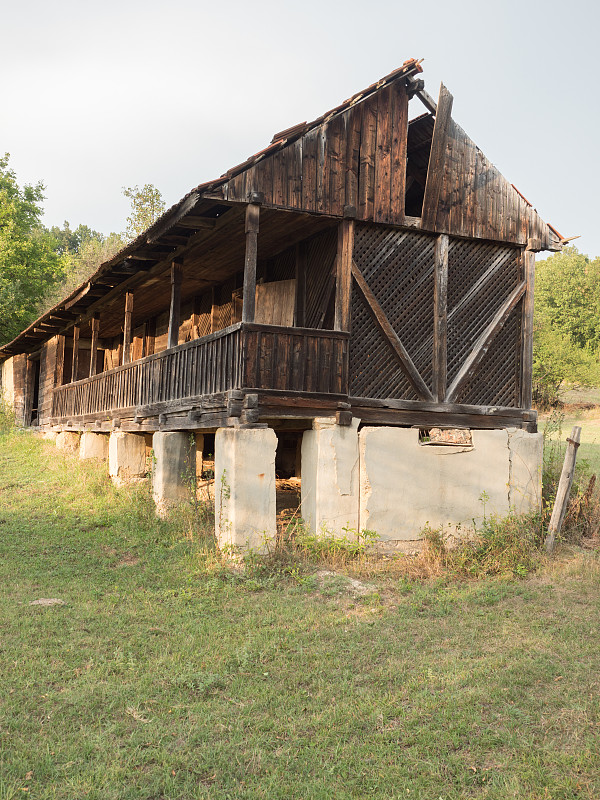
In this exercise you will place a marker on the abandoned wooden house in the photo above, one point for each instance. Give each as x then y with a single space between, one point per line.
323 311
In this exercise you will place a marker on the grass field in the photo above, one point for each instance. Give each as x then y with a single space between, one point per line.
166 674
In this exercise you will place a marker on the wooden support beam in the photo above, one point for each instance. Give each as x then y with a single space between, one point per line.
175 308
564 489
528 263
75 359
249 302
440 319
409 369
195 321
435 170
343 276
95 323
127 328
482 344
301 258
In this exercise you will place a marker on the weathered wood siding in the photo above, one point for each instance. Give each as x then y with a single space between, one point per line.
476 201
356 158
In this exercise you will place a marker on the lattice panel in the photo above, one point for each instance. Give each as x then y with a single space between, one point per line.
374 369
497 380
480 278
283 266
398 266
320 289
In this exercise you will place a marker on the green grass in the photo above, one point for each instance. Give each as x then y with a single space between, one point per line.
168 675
589 421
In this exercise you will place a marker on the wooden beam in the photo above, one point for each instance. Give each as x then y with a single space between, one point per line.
528 262
301 257
343 277
127 328
213 309
175 307
437 157
95 322
75 359
409 369
440 319
249 302
482 344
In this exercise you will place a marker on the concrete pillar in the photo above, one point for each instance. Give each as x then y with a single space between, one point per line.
93 445
525 480
173 471
68 441
330 477
245 509
126 457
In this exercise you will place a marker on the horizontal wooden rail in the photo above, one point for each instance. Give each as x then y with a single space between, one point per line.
244 355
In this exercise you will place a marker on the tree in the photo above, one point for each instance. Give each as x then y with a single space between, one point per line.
567 324
29 262
146 206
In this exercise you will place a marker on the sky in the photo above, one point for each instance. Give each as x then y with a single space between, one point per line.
98 96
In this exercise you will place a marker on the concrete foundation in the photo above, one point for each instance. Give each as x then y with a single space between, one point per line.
68 441
330 477
173 472
406 485
245 508
126 457
93 445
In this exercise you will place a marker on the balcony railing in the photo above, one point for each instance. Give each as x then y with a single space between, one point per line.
242 356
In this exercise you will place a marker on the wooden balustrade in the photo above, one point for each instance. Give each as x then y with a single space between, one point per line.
244 355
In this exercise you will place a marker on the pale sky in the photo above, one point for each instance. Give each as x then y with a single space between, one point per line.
97 96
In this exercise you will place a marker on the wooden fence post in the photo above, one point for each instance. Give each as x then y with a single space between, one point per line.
564 489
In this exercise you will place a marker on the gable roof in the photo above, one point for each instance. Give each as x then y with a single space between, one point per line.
362 158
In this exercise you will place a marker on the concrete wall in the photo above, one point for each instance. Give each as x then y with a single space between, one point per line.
403 485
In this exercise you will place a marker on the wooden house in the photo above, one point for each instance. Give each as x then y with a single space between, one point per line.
370 267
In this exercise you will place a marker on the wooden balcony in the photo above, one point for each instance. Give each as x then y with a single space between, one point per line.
242 356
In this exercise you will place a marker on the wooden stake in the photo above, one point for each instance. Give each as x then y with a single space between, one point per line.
127 328
175 309
564 489
94 347
249 302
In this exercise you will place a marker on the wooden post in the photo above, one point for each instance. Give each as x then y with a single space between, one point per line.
564 489
301 285
95 323
249 303
60 361
75 360
175 309
528 262
213 309
127 328
440 319
343 273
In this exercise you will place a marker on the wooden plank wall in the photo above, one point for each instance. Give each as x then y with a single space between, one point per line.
47 375
356 158
476 201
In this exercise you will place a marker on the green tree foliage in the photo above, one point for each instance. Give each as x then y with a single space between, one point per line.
30 264
146 206
567 324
